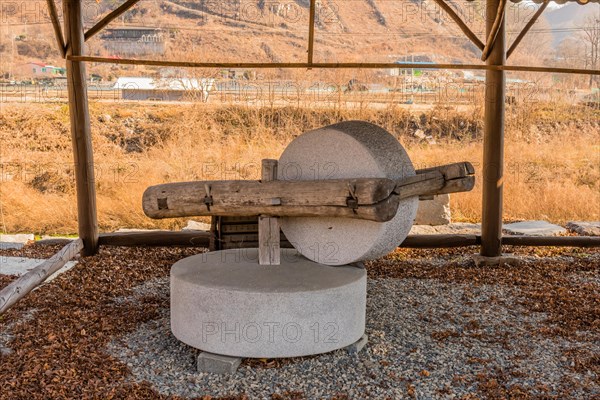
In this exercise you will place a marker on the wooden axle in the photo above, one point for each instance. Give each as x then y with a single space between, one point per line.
374 199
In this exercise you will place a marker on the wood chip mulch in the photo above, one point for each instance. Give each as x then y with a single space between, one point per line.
61 330
58 352
546 282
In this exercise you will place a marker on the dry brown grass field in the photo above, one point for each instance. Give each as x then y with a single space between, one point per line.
552 156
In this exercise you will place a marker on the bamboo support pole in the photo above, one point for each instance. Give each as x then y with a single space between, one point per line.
57 29
311 30
80 129
492 32
109 18
349 65
493 141
156 238
527 27
19 288
202 238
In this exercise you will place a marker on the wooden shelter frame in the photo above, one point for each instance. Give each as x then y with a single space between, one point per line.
494 54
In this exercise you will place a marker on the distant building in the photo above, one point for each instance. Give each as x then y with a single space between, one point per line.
164 89
420 59
40 70
134 41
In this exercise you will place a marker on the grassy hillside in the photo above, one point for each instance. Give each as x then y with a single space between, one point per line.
257 30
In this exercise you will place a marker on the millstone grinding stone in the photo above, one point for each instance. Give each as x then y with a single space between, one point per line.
224 302
353 149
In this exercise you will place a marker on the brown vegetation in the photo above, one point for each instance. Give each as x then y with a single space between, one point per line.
552 168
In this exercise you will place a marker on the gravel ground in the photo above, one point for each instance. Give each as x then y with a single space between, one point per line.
426 338
438 328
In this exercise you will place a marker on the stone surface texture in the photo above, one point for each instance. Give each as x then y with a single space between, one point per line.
225 303
11 245
434 212
17 238
353 149
217 364
585 228
533 228
20 266
196 226
459 228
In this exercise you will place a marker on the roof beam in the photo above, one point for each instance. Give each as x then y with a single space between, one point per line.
461 24
57 29
109 18
491 39
311 30
527 27
189 64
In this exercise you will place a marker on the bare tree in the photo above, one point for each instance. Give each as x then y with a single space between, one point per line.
591 37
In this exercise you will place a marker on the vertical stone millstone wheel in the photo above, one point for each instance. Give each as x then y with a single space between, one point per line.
353 149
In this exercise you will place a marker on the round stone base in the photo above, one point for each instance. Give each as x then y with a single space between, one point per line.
224 302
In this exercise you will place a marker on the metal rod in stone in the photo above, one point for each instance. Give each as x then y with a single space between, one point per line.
374 199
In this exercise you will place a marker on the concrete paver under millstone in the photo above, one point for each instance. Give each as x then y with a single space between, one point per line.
458 228
217 364
20 266
533 228
224 302
585 228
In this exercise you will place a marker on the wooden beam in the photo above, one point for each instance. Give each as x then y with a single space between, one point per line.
156 238
527 27
350 65
182 199
19 288
493 140
440 241
374 199
552 241
110 17
269 252
201 239
444 241
461 24
492 32
81 137
451 171
311 30
57 29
